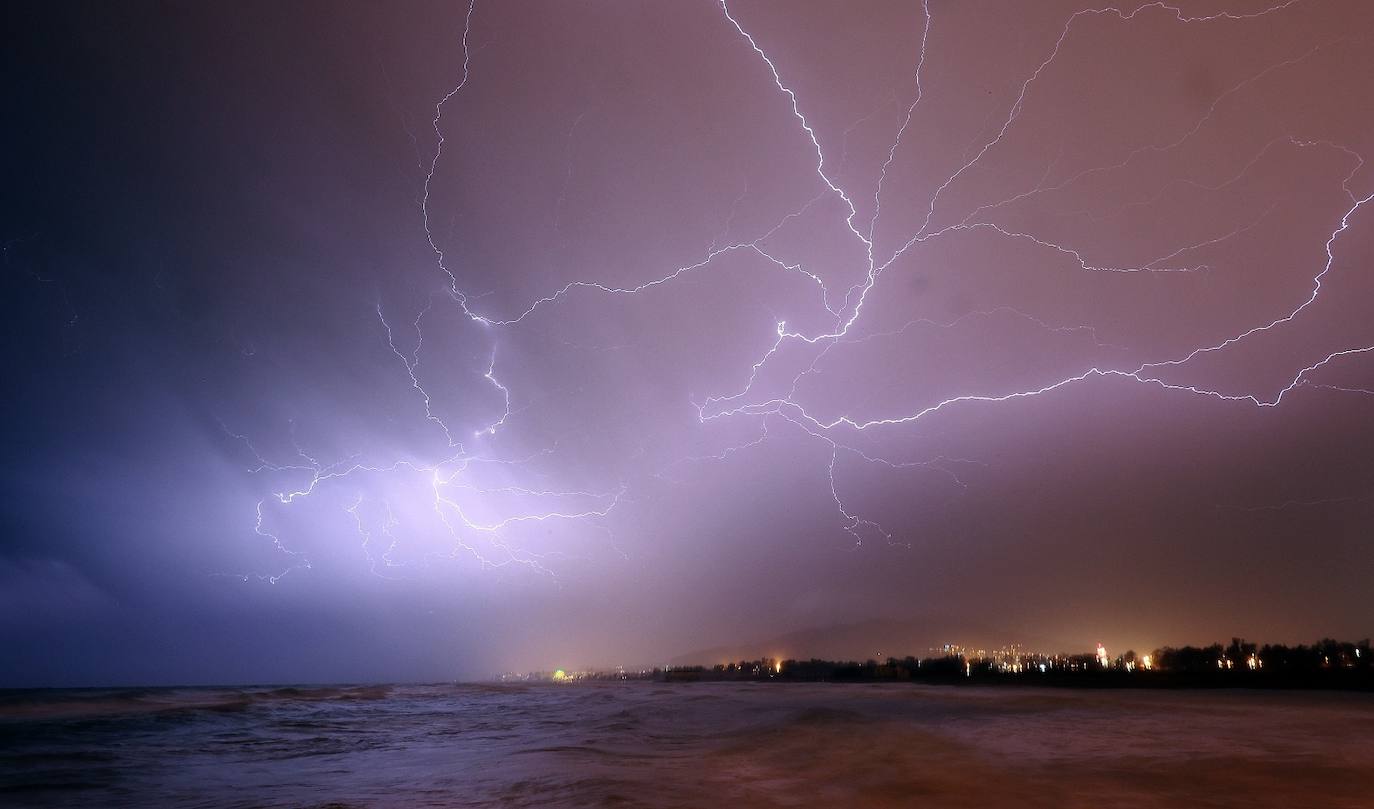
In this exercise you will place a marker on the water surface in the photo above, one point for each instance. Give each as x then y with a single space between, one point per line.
683 745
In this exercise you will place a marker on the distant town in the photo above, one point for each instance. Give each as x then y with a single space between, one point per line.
1325 664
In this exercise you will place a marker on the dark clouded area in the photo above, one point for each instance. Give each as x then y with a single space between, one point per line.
680 326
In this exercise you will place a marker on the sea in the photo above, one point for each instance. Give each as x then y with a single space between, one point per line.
646 744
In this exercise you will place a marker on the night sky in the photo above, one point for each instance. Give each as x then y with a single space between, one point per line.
372 342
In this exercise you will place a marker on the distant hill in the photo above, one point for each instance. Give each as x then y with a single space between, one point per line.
874 639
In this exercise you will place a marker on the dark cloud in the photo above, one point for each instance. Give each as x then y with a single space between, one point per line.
228 294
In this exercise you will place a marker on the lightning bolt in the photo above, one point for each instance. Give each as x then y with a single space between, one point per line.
452 481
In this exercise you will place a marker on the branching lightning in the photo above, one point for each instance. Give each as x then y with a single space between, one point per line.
451 486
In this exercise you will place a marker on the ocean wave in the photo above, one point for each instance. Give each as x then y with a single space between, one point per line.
50 704
692 745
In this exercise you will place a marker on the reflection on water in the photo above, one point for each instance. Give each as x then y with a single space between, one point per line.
687 745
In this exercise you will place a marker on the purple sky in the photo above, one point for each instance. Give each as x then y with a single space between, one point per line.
353 344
